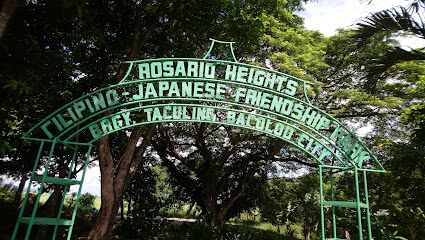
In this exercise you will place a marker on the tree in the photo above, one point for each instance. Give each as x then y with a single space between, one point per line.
280 205
145 219
174 31
216 180
223 162
36 78
86 202
7 10
407 21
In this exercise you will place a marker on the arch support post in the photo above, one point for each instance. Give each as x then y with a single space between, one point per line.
361 203
67 181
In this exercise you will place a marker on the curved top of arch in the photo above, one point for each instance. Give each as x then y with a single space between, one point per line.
211 91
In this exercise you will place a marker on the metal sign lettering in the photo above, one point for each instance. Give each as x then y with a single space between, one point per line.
212 91
209 91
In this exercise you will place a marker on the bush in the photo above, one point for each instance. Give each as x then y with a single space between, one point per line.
197 230
201 230
238 232
7 209
145 220
86 202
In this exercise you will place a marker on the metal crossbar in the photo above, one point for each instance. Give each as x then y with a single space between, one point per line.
357 204
42 179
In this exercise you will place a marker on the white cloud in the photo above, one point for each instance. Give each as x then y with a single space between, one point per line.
328 15
91 182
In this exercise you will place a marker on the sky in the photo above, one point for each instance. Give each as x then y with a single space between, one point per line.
322 15
328 15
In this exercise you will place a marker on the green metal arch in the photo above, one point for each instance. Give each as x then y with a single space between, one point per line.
235 125
69 138
125 84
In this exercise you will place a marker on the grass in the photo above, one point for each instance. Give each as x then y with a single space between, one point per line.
247 224
260 231
253 220
180 212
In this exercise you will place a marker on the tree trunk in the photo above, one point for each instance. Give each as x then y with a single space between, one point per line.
109 208
347 235
8 8
189 209
219 220
129 207
306 229
18 194
328 228
115 179
288 226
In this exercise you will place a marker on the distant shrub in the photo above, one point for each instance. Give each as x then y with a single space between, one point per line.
201 230
145 219
86 202
197 230
235 232
7 209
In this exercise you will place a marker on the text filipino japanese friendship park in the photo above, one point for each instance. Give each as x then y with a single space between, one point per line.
200 91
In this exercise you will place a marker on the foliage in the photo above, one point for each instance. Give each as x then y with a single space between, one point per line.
201 230
56 51
398 198
71 199
7 208
293 200
197 230
279 206
250 233
145 218
86 202
391 22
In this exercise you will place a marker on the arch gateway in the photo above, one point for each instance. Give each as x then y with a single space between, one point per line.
211 91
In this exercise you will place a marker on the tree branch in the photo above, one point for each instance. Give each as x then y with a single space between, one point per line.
226 175
202 146
137 41
292 159
8 8
276 150
239 191
174 151
138 155
122 167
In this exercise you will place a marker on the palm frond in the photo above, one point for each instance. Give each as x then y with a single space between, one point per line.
392 20
391 57
417 5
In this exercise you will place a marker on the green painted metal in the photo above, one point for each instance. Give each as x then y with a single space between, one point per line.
357 204
21 212
333 206
369 226
223 42
233 94
225 101
79 192
322 211
45 221
240 111
42 179
359 213
58 218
